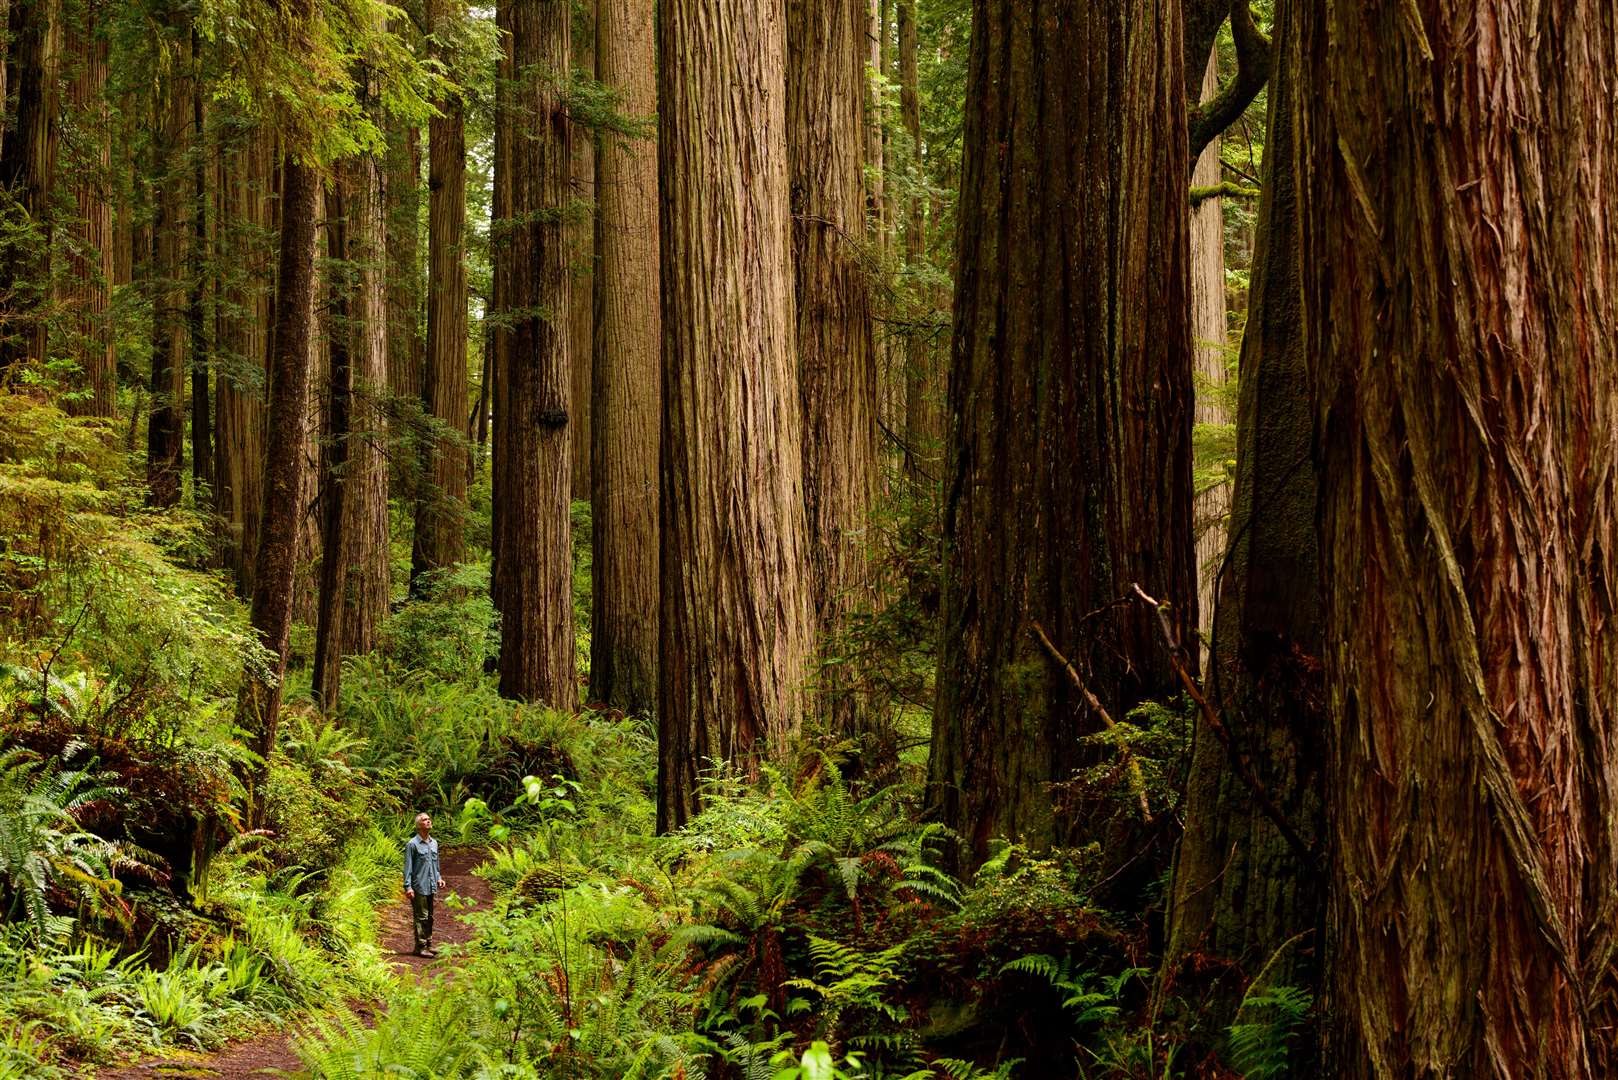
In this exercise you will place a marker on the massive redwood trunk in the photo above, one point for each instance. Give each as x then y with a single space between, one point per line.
1068 475
837 370
533 570
1460 286
737 606
626 376
1244 898
441 502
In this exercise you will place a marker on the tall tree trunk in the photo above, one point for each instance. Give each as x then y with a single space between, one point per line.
196 264
534 570
1208 330
874 176
923 397
1460 292
90 256
1069 467
581 234
737 603
27 175
837 367
354 564
258 709
441 504
1243 898
501 265
627 376
171 225
407 378
245 229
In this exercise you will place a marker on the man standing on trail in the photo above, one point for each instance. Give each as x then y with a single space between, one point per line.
421 881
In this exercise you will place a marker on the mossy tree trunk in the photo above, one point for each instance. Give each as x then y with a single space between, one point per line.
171 239
737 605
1460 291
88 282
1242 896
1068 475
27 176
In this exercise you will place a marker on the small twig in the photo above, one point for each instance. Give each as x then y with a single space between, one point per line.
1238 759
45 671
1137 782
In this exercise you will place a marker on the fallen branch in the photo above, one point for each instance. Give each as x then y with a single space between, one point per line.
1137 781
1238 760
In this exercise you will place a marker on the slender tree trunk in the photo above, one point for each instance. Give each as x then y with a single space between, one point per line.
245 230
171 226
27 174
1243 899
1208 330
534 571
498 315
407 378
196 285
581 234
1460 292
441 504
90 258
923 397
627 376
737 602
837 364
258 709
1069 467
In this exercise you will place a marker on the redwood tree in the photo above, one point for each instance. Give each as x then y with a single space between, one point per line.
1460 290
737 606
171 239
837 370
89 256
533 569
626 375
27 176
441 502
1245 896
1069 462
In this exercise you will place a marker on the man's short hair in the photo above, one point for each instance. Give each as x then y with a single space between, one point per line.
423 814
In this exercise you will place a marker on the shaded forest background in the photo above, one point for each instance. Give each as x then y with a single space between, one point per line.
916 538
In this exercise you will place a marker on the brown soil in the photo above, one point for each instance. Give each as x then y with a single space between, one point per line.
271 1053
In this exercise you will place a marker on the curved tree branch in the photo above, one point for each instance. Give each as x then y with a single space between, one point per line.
1206 122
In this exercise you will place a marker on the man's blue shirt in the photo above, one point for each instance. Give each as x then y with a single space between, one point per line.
421 865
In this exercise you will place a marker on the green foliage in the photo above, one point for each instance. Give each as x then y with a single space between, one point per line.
1267 1024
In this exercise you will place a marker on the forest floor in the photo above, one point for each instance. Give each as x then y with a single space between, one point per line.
271 1053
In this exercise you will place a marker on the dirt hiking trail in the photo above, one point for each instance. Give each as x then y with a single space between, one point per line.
271 1053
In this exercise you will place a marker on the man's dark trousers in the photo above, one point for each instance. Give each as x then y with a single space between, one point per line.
421 908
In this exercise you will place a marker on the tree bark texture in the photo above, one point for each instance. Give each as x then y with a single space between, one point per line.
627 376
406 347
923 394
581 234
1208 336
259 707
246 234
1242 898
533 573
1459 291
88 282
441 504
737 606
355 576
837 370
27 175
171 229
197 260
1069 464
